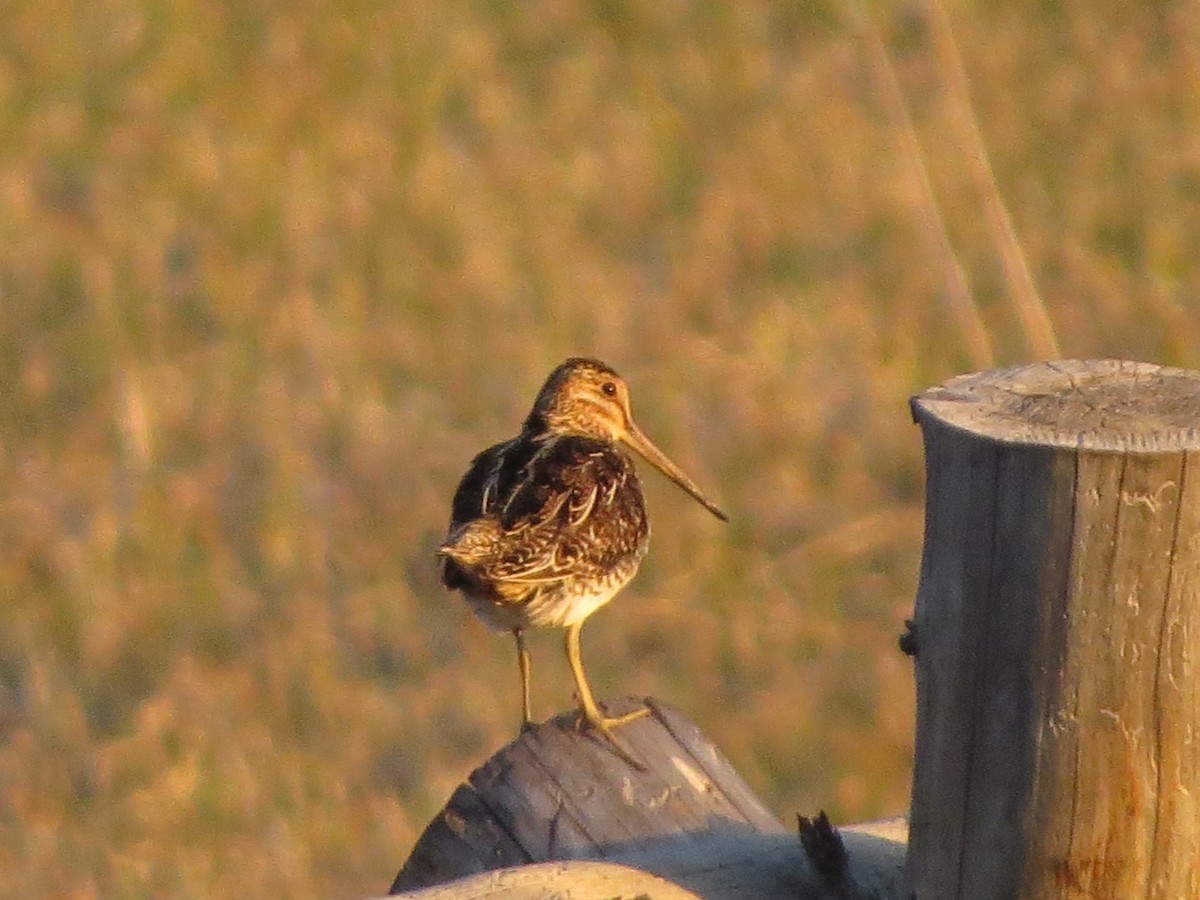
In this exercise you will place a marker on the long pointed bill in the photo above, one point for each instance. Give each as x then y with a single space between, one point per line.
646 449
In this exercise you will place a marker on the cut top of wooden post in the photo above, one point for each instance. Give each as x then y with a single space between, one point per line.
1102 405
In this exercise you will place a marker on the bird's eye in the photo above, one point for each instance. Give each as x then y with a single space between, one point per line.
609 389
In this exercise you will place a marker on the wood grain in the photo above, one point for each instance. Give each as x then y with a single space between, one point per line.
558 794
1058 627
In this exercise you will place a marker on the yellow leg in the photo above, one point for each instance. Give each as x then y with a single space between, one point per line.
523 665
587 703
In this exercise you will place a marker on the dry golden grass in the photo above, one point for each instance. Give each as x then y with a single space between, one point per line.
271 273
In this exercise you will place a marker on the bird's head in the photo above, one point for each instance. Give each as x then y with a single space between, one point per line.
585 397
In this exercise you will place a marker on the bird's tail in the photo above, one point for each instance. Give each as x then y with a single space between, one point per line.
471 543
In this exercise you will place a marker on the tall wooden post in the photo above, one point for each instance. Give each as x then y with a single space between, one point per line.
1057 634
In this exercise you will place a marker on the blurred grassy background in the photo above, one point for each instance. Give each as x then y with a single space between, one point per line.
270 273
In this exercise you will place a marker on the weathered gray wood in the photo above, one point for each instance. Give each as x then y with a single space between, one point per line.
555 880
770 866
1058 635
1073 404
557 793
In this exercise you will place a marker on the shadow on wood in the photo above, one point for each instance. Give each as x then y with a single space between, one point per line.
557 793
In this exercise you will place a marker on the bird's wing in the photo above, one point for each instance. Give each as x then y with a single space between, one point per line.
477 491
537 514
576 505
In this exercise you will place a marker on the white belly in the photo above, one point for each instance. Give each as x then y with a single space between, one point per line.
554 606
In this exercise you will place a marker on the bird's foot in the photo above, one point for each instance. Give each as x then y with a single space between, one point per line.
593 719
604 723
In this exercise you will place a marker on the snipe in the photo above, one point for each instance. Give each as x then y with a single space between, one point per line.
547 527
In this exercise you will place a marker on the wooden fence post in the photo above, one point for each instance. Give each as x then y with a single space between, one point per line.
1057 635
559 813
